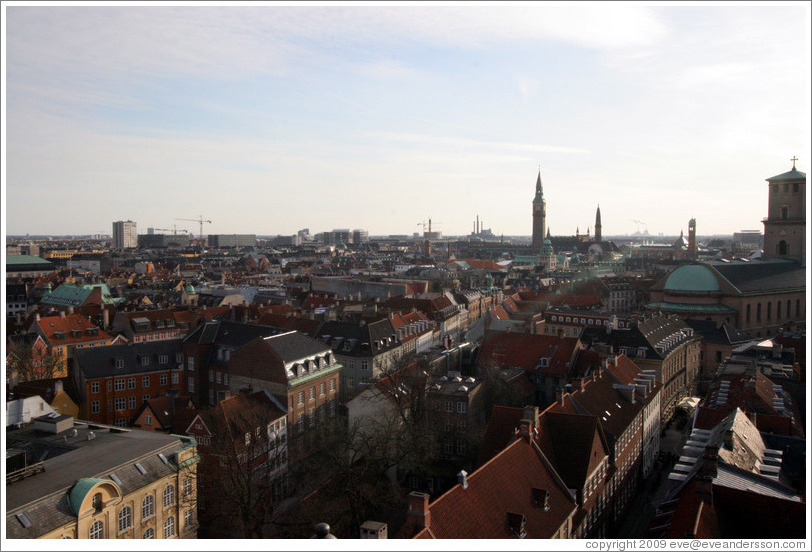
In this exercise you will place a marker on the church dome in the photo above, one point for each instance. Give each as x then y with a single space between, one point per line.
693 277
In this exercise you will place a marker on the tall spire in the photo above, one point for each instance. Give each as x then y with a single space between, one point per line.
539 189
598 236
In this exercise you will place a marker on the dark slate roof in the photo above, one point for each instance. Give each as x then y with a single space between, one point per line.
360 340
648 332
230 334
794 174
44 496
759 276
723 334
99 362
292 346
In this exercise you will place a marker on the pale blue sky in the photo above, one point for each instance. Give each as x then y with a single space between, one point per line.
267 118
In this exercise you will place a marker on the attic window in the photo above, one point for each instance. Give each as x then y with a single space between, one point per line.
76 333
542 498
516 522
24 521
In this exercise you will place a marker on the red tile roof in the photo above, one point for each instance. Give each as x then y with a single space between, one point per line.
48 326
500 430
514 349
505 485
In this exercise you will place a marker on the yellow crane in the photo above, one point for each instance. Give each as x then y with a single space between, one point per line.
200 220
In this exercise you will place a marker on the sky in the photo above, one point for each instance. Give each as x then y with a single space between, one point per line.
270 118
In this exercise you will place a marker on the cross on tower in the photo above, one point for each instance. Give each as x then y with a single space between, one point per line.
794 159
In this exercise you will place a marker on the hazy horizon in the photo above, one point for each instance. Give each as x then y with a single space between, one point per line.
266 119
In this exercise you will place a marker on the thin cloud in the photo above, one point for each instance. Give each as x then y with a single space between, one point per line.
455 142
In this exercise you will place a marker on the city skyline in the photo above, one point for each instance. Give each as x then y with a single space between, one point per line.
267 119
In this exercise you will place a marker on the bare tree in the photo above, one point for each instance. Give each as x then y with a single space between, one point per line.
26 362
243 473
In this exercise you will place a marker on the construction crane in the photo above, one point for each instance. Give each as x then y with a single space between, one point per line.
174 230
200 220
423 223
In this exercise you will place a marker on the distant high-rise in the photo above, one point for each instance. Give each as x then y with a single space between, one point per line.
539 215
125 235
785 225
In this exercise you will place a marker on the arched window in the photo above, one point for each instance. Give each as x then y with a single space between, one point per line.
149 534
758 312
97 530
97 501
187 487
789 308
769 311
797 308
125 518
783 248
148 507
169 527
169 495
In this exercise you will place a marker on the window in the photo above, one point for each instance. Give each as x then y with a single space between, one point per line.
448 406
769 311
301 397
149 534
174 378
190 363
211 376
311 393
95 407
94 387
131 383
119 363
225 378
797 308
163 379
121 404
448 448
131 402
191 385
332 385
148 420
97 530
169 496
219 377
125 518
784 212
187 518
758 312
121 385
322 388
169 527
460 447
144 398
461 407
145 381
148 507
163 359
187 487
97 501
747 316
778 310
247 438
364 364
144 361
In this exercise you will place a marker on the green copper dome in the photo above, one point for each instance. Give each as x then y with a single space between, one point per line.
693 277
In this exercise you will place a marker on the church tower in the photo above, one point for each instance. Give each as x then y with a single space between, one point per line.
598 237
539 216
692 237
785 225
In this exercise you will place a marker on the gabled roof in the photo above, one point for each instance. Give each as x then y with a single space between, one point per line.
503 486
514 349
573 443
762 275
69 324
100 362
501 428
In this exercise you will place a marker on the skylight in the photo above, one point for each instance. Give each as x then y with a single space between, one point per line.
24 521
140 468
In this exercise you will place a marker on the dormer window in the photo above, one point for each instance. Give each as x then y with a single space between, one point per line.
59 335
97 502
144 361
119 363
76 333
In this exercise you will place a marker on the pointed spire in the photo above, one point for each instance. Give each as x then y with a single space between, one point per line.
539 188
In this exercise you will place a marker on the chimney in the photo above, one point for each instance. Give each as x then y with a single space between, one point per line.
532 413
462 479
559 396
61 314
419 515
526 430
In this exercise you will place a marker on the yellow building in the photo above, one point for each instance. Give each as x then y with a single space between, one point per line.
69 480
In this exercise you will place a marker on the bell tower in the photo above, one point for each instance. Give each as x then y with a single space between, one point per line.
539 216
785 225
